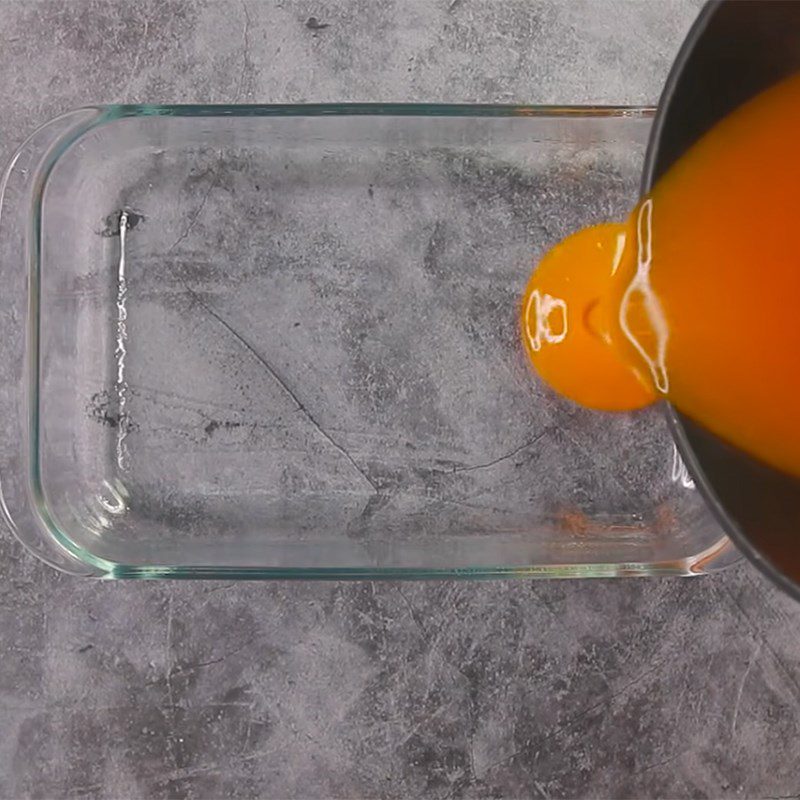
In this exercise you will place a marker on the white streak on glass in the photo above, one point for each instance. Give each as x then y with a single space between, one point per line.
640 284
679 473
121 349
545 305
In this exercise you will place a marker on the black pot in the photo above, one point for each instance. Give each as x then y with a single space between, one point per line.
735 49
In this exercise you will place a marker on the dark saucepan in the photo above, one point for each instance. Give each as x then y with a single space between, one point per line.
735 49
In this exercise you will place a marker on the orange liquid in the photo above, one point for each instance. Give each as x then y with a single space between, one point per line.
696 298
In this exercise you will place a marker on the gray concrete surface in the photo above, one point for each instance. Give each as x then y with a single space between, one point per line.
650 688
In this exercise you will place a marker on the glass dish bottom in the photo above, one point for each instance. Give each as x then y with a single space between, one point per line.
283 342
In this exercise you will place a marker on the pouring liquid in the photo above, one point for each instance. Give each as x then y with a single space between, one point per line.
696 297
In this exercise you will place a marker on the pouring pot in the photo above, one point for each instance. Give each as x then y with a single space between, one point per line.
736 49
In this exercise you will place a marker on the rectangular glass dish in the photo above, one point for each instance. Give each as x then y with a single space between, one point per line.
261 341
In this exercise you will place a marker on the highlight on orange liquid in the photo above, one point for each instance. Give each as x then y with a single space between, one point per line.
564 330
696 298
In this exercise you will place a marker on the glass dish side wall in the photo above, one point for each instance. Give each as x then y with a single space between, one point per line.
20 200
283 341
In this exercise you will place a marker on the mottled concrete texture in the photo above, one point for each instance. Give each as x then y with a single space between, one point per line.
647 688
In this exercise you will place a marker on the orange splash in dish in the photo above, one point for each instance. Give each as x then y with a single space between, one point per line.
696 297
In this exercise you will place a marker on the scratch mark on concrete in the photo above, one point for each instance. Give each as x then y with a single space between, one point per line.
245 53
570 722
272 372
193 219
505 457
134 70
740 690
193 667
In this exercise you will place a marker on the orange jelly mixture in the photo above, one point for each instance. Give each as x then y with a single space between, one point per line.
696 298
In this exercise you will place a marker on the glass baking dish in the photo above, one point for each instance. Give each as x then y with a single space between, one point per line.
282 341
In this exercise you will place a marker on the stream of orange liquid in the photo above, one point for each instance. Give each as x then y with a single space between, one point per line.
696 297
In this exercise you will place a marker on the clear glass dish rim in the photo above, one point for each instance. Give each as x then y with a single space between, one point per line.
717 556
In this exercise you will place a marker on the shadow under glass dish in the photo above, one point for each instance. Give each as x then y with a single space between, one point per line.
283 341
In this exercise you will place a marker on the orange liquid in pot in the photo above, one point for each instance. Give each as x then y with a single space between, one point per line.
696 297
